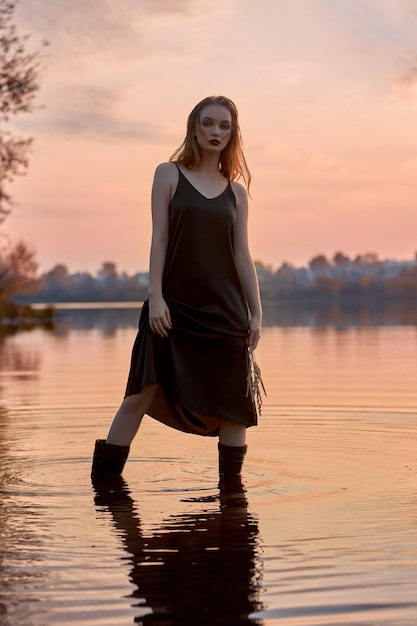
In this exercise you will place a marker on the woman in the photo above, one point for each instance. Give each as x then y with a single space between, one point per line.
192 355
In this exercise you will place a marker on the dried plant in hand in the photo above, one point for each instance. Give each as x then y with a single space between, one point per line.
254 383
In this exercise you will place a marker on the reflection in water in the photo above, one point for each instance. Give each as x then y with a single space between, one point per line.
331 472
20 545
107 319
198 568
17 359
339 315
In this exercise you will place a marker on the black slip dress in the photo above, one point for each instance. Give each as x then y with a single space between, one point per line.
202 366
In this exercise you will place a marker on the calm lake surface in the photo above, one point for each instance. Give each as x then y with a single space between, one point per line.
328 532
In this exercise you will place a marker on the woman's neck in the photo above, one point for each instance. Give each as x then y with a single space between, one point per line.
209 165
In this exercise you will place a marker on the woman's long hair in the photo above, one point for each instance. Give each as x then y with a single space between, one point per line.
232 163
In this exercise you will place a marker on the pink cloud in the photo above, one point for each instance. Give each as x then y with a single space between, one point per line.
405 87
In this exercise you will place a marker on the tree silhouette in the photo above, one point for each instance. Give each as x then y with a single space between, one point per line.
319 262
19 83
18 269
341 260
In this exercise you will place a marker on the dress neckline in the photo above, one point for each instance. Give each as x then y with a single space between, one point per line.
198 191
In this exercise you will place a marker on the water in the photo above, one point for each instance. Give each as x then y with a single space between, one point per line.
328 533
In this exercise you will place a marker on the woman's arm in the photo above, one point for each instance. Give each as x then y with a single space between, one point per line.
245 266
163 185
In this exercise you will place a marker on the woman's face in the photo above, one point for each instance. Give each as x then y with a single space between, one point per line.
214 128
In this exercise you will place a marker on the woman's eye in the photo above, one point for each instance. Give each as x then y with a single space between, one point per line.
206 123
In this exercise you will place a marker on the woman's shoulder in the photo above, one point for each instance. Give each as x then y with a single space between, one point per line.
166 168
166 172
239 190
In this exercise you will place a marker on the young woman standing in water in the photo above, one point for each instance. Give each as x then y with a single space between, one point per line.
192 355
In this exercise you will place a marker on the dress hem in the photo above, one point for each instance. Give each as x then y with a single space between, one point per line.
185 419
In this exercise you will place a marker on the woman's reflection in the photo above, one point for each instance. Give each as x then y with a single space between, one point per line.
199 568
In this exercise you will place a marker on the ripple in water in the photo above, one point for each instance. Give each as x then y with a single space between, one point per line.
325 533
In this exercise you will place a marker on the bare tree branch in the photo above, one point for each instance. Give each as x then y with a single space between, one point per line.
19 83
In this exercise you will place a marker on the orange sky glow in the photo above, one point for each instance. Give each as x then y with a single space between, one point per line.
327 95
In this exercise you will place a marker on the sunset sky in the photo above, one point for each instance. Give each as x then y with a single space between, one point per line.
327 95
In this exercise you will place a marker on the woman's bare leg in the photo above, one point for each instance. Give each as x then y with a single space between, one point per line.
129 416
232 433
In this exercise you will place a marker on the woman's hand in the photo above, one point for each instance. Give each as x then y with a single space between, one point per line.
254 332
159 316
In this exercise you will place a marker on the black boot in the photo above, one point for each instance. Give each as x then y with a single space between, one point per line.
231 460
231 488
108 459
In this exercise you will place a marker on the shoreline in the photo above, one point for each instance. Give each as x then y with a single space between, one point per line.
23 316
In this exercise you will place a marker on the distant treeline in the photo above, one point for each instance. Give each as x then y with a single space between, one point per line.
108 285
363 277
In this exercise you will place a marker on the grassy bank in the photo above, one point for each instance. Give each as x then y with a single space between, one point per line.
24 316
